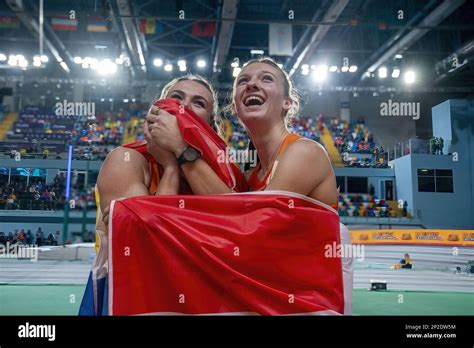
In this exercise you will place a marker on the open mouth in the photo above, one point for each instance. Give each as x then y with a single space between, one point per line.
253 100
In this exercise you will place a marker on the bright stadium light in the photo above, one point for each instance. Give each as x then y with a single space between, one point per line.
119 60
107 67
37 63
409 77
333 68
158 62
12 62
3 57
182 65
236 71
320 73
353 68
395 73
201 63
398 56
23 63
168 67
85 65
345 68
305 67
78 60
305 71
383 72
44 58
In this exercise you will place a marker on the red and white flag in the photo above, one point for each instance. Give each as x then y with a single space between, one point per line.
245 253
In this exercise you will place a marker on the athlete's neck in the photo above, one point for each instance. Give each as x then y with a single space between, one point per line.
267 141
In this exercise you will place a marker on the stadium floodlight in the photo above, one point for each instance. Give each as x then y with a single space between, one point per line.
235 63
398 56
353 68
158 62
345 68
395 73
305 67
201 63
257 52
168 67
102 99
383 72
236 71
320 73
44 58
333 68
37 63
305 71
20 57
125 100
12 62
182 68
94 64
3 57
409 77
85 65
78 60
23 63
119 60
107 67
182 65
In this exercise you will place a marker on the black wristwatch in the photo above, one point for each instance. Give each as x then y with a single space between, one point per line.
190 154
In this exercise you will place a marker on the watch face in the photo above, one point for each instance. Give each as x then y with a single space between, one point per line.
190 154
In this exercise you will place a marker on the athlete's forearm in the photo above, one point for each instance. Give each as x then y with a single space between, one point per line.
202 179
169 182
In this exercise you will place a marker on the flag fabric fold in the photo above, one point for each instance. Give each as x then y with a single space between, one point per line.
255 253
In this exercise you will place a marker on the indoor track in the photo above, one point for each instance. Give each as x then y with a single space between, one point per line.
56 285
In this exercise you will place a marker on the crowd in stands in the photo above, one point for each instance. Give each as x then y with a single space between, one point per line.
356 144
364 205
23 237
39 196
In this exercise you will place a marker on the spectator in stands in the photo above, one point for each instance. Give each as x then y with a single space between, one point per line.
29 237
405 208
441 146
21 237
39 237
45 153
52 240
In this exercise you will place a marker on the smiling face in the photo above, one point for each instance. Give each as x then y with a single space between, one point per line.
195 96
259 93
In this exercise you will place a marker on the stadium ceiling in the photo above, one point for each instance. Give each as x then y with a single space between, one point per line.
432 38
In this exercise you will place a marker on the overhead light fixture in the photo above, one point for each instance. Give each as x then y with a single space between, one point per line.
236 71
395 73
383 72
320 73
158 62
409 77
3 57
119 60
78 60
345 69
398 56
257 52
44 58
353 68
201 63
333 68
37 63
168 67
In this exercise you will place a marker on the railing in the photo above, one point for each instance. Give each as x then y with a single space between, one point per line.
417 146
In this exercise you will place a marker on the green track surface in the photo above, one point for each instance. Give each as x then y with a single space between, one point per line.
65 300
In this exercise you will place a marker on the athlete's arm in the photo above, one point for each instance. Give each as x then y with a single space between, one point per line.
202 179
305 168
122 175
